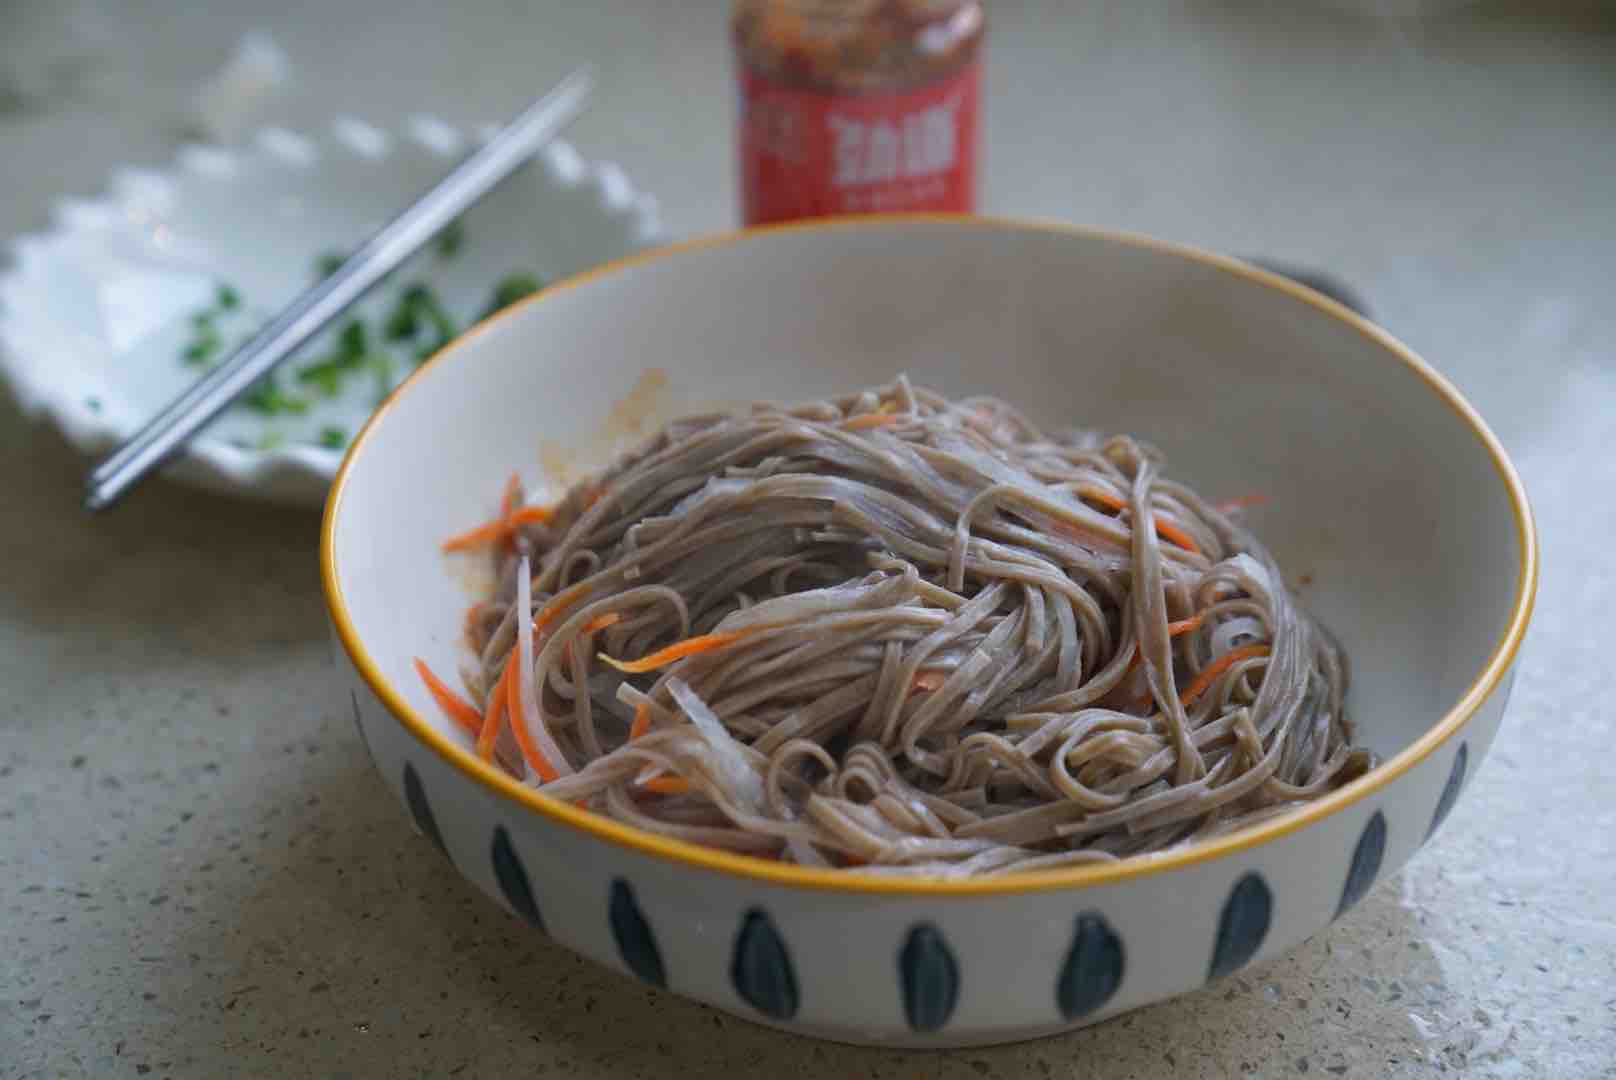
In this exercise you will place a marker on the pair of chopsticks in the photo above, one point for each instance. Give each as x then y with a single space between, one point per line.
311 312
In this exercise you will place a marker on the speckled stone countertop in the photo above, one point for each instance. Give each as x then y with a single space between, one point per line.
200 876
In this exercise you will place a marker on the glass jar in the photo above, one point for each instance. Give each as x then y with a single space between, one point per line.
857 106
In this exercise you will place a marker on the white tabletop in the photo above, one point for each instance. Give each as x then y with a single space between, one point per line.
199 874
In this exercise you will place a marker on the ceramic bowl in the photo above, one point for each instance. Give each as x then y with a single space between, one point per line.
1387 493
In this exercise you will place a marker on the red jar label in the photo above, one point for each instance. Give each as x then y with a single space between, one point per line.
807 153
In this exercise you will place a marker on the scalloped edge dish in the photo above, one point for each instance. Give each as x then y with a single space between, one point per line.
93 310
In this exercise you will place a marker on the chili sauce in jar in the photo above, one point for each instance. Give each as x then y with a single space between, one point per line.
857 106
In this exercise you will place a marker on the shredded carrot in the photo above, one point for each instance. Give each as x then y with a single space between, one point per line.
666 785
1183 626
930 680
677 651
453 705
1217 667
529 515
473 613
512 685
511 517
1167 531
492 716
1104 498
559 604
642 721
513 491
1174 534
601 622
869 420
492 532
1241 503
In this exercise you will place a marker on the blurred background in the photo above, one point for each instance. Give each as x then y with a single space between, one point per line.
1414 148
1453 163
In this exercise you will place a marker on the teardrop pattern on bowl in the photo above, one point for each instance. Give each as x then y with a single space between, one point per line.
929 975
514 884
1365 866
760 967
420 809
1242 926
359 725
1093 968
1450 790
635 942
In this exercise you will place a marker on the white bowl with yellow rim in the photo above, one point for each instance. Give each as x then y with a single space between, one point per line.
1388 495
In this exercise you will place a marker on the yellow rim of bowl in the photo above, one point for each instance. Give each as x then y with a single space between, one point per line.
745 866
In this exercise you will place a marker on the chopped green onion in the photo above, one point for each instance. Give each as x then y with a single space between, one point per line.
510 289
352 343
270 440
403 322
228 297
202 320
381 367
451 239
201 349
326 376
441 322
333 438
94 404
418 302
329 263
268 398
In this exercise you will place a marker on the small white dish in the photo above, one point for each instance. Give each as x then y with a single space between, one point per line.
1387 493
96 314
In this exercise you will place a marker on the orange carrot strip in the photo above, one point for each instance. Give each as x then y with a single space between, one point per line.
473 613
507 502
666 785
601 622
1173 534
1217 667
677 651
1169 532
1104 498
930 680
492 716
500 529
642 721
529 515
512 684
490 533
1231 505
453 705
869 420
559 604
1183 626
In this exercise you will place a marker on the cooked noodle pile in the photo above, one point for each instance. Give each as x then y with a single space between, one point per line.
901 634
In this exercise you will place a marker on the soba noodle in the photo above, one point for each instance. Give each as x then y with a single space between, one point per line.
902 635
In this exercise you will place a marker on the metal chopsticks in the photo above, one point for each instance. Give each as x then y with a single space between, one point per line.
385 251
